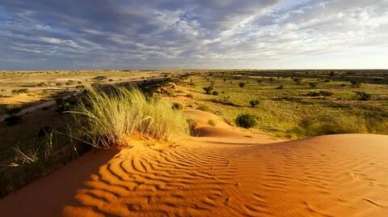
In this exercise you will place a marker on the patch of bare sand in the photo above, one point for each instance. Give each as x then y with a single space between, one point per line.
340 175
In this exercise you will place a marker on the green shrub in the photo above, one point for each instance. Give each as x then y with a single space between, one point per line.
254 103
110 119
246 120
241 84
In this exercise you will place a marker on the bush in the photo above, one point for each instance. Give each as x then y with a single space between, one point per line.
110 119
363 96
100 78
246 120
215 93
241 84
177 106
330 124
70 82
208 89
253 103
355 83
19 91
211 123
192 125
203 108
65 105
320 93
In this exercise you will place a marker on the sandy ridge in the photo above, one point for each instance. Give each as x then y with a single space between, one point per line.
239 174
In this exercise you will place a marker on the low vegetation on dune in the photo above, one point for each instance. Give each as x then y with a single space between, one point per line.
246 120
35 143
110 119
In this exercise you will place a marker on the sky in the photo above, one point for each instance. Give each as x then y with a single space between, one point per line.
260 34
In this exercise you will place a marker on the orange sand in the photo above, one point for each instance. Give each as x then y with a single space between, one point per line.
227 173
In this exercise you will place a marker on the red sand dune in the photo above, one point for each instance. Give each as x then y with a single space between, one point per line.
237 174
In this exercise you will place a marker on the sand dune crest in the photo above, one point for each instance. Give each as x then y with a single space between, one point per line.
327 176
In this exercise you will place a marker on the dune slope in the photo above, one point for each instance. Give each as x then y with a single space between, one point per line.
238 174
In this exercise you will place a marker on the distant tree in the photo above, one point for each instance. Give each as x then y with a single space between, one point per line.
241 84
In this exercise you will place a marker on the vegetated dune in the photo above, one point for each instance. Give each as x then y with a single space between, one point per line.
237 174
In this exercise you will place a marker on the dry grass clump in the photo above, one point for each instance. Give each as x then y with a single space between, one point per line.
331 124
109 119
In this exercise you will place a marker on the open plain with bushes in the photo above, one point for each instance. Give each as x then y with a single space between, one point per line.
194 143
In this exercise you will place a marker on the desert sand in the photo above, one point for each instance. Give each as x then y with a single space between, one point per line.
223 172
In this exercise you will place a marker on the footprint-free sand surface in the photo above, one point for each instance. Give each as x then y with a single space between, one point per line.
225 172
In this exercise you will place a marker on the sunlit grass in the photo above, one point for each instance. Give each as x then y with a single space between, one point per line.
285 112
108 120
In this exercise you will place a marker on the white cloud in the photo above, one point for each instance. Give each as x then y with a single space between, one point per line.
263 33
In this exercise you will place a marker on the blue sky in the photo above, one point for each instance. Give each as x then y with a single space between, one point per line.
73 34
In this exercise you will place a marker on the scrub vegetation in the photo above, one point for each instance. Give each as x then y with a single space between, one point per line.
307 104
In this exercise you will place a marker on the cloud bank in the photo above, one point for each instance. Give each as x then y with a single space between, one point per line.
193 34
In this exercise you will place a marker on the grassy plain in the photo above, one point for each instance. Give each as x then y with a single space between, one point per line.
292 107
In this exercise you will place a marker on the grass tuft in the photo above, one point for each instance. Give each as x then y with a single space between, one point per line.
109 119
